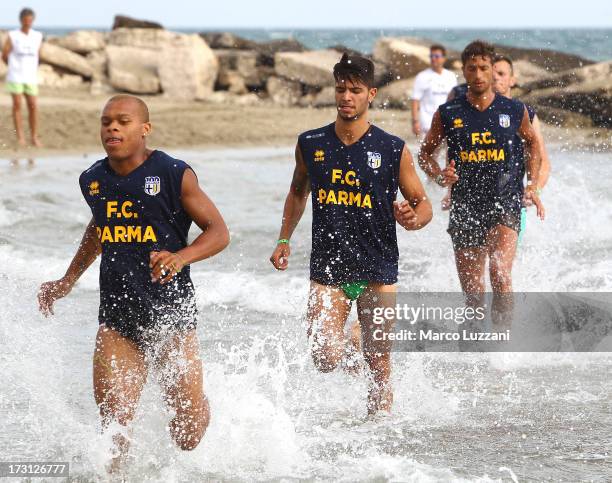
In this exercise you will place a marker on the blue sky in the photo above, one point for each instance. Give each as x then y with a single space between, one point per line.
319 13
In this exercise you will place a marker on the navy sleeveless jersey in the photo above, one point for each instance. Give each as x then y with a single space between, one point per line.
134 215
531 111
353 189
459 90
489 159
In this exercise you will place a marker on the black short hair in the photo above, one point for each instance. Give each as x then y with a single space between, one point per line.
504 58
354 68
26 12
478 48
141 106
439 47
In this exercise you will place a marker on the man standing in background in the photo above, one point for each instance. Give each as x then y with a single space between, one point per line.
20 52
431 88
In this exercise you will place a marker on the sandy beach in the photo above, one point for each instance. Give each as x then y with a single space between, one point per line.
69 123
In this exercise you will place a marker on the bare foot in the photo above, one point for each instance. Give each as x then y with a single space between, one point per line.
36 142
21 143
119 460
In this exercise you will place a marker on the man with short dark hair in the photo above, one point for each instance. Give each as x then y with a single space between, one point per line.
431 88
21 51
504 80
485 171
354 170
143 203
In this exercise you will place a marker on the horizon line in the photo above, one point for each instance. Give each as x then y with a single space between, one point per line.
506 27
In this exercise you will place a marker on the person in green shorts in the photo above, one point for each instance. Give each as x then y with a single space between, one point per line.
21 52
504 80
353 171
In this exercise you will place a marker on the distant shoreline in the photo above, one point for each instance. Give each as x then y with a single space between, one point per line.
597 49
70 126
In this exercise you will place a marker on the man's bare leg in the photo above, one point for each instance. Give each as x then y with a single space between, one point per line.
18 120
471 269
181 378
119 373
33 120
328 310
501 243
377 353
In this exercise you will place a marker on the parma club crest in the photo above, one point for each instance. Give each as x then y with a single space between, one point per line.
152 185
374 159
504 120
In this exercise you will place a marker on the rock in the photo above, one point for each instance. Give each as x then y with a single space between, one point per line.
100 87
187 67
65 59
140 37
98 61
284 92
133 69
307 100
584 91
225 97
325 98
550 60
563 118
396 95
3 69
526 72
592 73
220 97
267 50
48 76
81 41
231 81
226 40
183 65
404 56
247 100
121 21
246 63
595 104
313 68
252 71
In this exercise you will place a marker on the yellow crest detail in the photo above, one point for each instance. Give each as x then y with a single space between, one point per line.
94 188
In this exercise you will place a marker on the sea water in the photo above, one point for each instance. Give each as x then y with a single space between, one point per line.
473 417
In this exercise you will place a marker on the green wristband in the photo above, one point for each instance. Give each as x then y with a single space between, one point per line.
282 240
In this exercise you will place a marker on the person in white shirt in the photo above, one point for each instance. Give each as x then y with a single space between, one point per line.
431 88
21 51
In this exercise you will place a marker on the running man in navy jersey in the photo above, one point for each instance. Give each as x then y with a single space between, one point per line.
503 82
485 171
353 170
143 203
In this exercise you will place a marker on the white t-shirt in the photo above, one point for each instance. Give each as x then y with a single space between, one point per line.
23 59
431 90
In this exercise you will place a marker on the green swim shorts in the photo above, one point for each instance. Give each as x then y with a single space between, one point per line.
354 289
21 88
